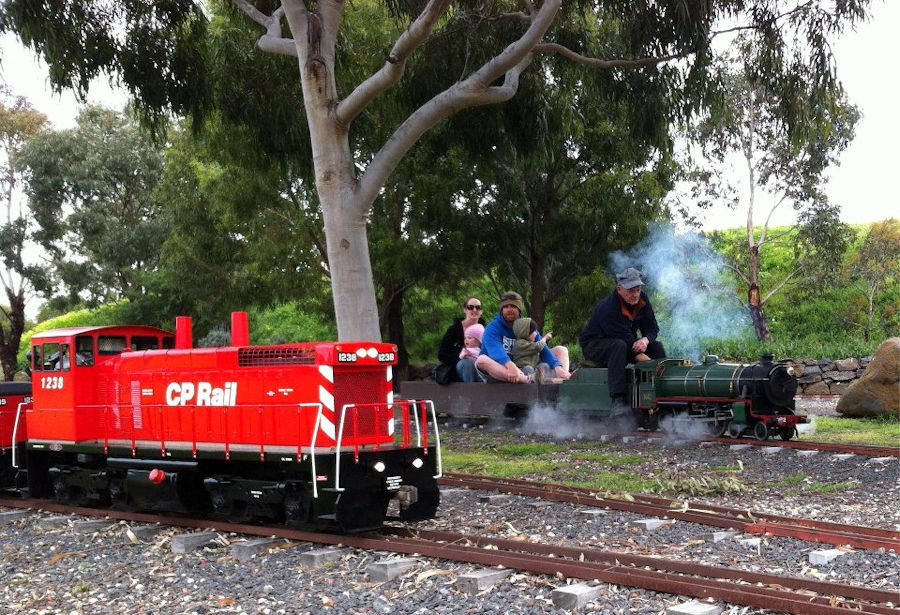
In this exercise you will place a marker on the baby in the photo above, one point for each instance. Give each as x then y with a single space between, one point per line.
472 341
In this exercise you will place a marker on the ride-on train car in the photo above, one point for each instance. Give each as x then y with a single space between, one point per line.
136 417
15 400
708 398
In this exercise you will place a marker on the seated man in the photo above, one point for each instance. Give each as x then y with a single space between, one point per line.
610 337
498 341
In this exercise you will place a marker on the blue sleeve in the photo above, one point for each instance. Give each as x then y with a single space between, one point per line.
547 355
492 344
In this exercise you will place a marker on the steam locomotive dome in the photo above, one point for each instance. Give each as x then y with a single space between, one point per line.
774 382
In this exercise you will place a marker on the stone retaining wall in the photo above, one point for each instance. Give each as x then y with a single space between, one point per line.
829 377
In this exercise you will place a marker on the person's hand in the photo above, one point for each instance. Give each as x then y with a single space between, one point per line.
512 372
561 372
640 345
547 336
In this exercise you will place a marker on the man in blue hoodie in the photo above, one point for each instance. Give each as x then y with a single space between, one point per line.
498 341
610 337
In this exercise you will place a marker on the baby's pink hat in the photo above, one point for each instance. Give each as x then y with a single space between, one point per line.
476 331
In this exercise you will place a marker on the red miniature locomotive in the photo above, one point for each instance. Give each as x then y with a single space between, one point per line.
134 417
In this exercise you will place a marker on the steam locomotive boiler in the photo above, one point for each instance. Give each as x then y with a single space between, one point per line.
137 418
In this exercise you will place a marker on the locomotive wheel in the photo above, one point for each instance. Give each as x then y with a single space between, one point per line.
761 431
787 433
719 428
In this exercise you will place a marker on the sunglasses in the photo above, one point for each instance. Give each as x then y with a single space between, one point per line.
473 307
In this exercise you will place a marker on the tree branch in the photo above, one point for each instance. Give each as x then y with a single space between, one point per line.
474 91
395 65
598 63
271 41
780 285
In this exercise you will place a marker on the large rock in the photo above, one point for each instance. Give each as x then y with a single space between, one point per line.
877 392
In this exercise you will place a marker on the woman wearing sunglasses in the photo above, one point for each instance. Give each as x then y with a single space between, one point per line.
452 368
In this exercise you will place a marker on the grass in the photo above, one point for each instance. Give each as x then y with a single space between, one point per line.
874 431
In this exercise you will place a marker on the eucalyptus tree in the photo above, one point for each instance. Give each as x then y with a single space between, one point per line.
157 51
877 263
585 179
19 123
91 190
783 169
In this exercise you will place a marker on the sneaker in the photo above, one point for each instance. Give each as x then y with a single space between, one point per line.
528 370
542 375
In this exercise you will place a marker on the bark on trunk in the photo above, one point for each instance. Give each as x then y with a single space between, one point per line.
396 333
10 339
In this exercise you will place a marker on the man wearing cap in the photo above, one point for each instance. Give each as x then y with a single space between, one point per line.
498 341
610 338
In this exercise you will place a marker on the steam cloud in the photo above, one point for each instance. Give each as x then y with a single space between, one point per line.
686 284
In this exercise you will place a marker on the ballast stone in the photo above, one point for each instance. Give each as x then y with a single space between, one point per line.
694 607
474 582
574 596
389 569
185 543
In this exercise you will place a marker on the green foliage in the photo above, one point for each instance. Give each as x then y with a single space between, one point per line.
288 323
108 314
881 431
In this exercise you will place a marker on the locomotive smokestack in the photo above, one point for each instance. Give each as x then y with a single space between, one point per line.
183 334
240 332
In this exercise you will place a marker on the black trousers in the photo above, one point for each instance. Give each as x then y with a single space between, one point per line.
613 354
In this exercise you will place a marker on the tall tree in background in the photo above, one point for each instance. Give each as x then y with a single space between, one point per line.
91 190
19 123
783 169
878 262
157 51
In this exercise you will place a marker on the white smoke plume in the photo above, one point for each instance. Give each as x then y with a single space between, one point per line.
687 285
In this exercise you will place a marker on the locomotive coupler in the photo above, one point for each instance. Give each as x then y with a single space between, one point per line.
407 495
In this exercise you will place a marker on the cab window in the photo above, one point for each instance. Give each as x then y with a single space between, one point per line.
55 357
84 350
110 344
144 342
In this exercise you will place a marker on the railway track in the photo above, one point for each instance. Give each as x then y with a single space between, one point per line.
750 522
741 587
863 450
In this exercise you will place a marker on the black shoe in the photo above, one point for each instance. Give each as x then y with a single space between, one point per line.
618 407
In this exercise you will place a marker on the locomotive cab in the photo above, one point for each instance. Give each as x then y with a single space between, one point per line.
71 370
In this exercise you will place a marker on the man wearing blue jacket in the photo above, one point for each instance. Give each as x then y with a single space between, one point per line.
497 345
610 338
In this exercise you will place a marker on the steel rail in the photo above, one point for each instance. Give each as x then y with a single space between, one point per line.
637 564
750 522
834 598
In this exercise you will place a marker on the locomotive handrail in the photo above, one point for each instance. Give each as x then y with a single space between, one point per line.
15 430
422 442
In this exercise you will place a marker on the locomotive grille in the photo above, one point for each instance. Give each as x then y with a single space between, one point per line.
276 355
362 387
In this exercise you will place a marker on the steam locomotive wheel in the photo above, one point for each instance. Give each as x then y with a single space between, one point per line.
787 433
761 431
718 429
